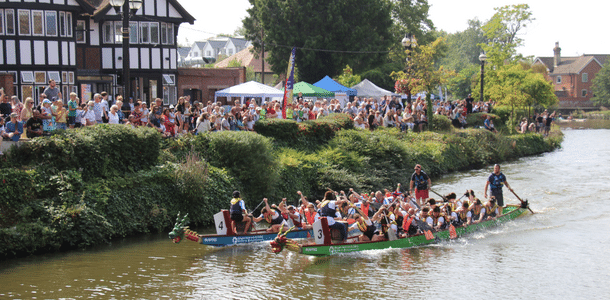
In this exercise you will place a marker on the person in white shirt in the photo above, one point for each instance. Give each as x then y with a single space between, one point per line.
113 116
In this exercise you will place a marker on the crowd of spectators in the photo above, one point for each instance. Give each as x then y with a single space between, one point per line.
196 117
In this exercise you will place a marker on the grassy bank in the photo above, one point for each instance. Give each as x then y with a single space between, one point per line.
85 187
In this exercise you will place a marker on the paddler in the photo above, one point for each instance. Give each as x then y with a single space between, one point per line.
364 224
328 209
420 182
272 216
239 213
496 181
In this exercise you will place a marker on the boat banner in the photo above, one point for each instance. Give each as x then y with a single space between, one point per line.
289 83
429 235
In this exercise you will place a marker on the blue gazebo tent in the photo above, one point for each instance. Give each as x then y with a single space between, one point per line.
328 83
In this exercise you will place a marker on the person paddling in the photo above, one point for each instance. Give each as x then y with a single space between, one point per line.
496 181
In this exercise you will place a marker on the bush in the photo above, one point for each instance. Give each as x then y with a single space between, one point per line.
440 123
97 151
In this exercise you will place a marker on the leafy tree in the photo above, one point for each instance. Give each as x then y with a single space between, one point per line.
348 78
463 47
502 32
250 75
423 73
347 28
601 86
461 84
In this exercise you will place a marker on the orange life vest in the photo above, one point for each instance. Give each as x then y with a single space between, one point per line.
310 217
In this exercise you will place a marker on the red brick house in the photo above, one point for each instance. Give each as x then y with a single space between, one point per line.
201 84
572 76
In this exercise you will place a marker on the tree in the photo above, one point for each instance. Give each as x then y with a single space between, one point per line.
423 73
250 75
348 78
601 86
463 47
461 84
328 34
502 32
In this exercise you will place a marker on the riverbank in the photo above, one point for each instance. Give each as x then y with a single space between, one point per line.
593 123
86 187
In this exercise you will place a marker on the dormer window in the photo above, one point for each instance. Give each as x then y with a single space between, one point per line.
558 80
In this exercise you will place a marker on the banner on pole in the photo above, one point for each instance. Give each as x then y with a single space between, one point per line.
289 83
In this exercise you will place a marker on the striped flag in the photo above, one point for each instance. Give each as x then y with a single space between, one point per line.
429 235
289 83
452 232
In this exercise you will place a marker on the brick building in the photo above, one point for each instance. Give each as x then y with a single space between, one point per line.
572 77
201 84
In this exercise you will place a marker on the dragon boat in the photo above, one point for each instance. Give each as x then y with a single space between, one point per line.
323 245
225 236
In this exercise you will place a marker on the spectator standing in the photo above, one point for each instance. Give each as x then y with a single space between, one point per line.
98 109
72 107
52 91
5 107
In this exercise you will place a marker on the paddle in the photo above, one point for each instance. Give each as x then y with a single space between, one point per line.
522 202
444 199
391 233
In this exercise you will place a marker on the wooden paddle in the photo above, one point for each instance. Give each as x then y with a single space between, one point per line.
444 199
522 202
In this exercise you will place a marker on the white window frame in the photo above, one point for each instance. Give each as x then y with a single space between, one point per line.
108 37
585 77
29 22
50 15
1 21
40 14
134 33
118 34
55 75
68 24
558 80
151 27
81 29
583 93
62 23
144 32
169 79
6 13
27 77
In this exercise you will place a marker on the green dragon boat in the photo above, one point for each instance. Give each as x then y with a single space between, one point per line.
510 212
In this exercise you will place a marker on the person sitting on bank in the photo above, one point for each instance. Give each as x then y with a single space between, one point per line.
272 216
34 125
239 213
489 124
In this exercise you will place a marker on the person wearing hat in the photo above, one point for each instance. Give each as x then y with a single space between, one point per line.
14 128
239 213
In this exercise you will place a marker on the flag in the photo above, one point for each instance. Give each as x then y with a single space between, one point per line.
289 83
429 235
452 232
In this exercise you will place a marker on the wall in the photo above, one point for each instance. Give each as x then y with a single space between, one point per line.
206 81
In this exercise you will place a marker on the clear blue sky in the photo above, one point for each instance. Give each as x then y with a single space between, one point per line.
578 26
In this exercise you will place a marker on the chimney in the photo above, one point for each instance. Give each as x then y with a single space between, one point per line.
557 52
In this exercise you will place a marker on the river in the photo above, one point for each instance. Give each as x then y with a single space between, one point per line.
560 252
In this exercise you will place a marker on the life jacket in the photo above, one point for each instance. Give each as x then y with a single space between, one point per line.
406 224
326 211
463 216
491 212
476 213
365 209
497 182
269 218
310 216
235 207
435 220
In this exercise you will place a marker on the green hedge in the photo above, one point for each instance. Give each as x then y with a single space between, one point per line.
97 151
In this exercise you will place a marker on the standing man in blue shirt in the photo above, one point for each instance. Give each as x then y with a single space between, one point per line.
496 181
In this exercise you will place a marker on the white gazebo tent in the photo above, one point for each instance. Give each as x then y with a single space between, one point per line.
250 89
368 89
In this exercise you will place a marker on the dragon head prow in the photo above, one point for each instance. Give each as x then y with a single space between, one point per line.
177 234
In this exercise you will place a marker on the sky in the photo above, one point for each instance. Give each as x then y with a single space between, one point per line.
574 24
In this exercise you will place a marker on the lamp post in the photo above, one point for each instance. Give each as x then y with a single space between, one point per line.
409 42
482 58
129 8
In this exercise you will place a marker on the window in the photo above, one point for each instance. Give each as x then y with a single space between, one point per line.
10 21
583 93
144 33
133 32
154 33
169 88
585 77
163 33
71 77
24 22
26 91
558 79
80 31
108 32
118 32
40 77
195 54
62 23
170 34
51 17
64 77
168 79
69 24
37 23
54 75
1 21
27 77
208 53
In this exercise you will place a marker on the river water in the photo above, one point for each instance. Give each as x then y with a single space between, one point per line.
560 252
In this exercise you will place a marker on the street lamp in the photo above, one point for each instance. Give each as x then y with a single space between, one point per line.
482 58
129 9
409 42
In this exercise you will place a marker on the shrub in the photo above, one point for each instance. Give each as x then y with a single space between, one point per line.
440 123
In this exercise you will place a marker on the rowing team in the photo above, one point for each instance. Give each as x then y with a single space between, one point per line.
399 213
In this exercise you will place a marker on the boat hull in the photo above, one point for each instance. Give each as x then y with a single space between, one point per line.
225 240
416 240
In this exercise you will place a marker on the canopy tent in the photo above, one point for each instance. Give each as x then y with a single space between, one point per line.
310 90
250 89
368 89
328 83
